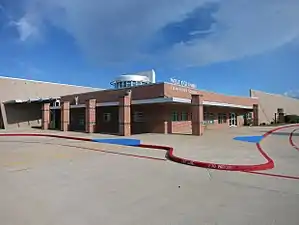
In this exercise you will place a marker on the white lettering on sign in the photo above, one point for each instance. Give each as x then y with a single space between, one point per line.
182 89
182 83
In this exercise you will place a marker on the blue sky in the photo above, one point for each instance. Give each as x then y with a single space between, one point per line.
227 46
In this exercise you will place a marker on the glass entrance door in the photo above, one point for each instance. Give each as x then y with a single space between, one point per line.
52 119
233 120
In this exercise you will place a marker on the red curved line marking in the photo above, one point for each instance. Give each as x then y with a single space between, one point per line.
244 168
79 139
292 141
217 166
292 144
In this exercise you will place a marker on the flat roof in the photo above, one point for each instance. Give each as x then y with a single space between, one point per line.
46 82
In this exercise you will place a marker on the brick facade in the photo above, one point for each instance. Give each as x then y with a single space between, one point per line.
90 116
125 114
197 115
135 110
45 116
65 116
255 114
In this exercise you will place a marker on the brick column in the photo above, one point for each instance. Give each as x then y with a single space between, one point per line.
65 116
125 115
197 115
167 119
45 116
255 115
90 115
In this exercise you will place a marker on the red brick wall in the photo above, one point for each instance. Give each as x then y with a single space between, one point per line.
184 127
158 116
182 92
138 93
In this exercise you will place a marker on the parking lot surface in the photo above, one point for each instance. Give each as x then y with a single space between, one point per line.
67 182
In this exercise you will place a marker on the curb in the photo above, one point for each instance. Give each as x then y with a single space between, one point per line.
170 152
228 167
292 141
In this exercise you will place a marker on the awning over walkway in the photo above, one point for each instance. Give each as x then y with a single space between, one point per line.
31 100
164 100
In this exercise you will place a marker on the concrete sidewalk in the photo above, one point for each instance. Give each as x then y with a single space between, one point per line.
49 181
214 146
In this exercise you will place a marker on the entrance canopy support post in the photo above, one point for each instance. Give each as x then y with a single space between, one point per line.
197 115
90 115
45 116
65 116
255 115
125 114
3 115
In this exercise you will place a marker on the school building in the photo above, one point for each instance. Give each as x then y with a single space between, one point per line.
136 104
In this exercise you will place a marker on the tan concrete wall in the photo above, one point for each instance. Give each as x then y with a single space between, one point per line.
268 104
13 88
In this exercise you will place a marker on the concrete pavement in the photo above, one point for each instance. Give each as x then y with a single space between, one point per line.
51 181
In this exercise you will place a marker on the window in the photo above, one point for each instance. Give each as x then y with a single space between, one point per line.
128 84
208 118
175 116
107 117
184 116
222 118
138 117
81 119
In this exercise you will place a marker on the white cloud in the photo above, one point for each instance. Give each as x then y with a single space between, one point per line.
26 29
118 30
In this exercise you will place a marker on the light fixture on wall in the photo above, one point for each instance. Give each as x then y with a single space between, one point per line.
76 100
128 92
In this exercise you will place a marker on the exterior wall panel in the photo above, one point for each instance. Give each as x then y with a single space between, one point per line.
138 93
184 92
269 103
13 88
24 115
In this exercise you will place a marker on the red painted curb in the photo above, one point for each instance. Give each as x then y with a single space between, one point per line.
78 139
245 168
268 165
292 141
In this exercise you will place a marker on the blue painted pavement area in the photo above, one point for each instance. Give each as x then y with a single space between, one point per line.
252 139
119 141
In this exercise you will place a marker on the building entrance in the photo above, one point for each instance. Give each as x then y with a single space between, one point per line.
233 120
55 119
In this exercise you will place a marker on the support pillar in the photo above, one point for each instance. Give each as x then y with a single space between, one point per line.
65 116
125 115
4 116
255 115
90 115
280 113
45 116
197 115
